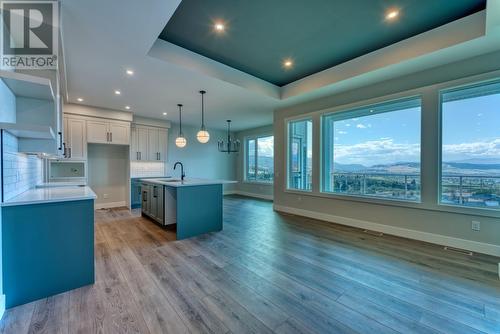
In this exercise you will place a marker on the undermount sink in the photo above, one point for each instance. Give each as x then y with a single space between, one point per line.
169 180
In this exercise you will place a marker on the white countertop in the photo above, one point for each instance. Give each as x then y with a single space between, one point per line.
187 182
59 184
51 195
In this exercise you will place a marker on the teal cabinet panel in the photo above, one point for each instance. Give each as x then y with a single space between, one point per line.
47 249
199 210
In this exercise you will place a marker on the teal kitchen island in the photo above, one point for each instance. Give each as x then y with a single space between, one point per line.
47 243
194 205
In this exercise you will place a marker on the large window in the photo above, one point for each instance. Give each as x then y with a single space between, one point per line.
373 151
470 146
300 155
260 159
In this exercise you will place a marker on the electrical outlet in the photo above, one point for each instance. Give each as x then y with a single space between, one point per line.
105 196
475 225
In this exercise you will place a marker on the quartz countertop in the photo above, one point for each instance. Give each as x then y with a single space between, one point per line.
51 195
188 182
150 177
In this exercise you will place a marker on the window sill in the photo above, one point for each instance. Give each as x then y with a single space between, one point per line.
264 183
490 213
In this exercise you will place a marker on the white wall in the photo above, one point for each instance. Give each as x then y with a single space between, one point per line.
200 160
108 173
7 104
426 220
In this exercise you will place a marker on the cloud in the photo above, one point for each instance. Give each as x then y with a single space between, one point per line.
342 132
481 149
363 126
376 152
266 147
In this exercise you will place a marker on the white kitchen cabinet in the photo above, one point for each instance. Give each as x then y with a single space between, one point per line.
119 133
162 144
97 132
108 132
75 141
148 144
139 143
153 144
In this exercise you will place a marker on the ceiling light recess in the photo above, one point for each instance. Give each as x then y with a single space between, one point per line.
392 14
287 63
219 27
79 99
127 107
130 72
117 92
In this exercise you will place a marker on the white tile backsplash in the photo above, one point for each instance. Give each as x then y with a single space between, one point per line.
144 169
21 171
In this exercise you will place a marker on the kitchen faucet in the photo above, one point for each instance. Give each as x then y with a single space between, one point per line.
182 169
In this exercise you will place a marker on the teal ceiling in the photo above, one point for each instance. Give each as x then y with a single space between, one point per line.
316 34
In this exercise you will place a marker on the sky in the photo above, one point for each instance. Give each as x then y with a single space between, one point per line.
471 132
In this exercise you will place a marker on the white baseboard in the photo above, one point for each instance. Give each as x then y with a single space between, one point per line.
248 194
98 206
438 239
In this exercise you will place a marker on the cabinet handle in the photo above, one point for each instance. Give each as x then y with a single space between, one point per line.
60 140
69 149
65 153
111 136
137 155
140 155
144 196
107 136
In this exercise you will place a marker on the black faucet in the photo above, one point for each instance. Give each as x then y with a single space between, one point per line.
182 169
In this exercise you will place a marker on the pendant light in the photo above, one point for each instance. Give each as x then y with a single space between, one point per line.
203 136
231 145
180 141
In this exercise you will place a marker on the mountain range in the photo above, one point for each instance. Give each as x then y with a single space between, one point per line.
465 168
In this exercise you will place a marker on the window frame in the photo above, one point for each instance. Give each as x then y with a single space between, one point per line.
430 113
462 208
362 110
245 169
288 121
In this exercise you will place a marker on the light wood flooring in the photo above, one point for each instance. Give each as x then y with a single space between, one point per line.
266 273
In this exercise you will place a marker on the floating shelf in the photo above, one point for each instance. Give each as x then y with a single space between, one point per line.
29 130
25 85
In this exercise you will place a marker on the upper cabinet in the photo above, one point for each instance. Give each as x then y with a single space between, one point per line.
148 143
108 132
75 138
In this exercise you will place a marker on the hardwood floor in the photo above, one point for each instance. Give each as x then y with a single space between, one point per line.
267 273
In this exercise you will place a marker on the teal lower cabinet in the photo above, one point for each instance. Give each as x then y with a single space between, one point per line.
48 248
198 210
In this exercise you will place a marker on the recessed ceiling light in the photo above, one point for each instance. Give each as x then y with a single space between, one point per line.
79 99
219 26
392 14
127 107
164 114
288 63
130 72
117 92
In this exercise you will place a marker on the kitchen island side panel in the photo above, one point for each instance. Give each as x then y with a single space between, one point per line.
199 210
48 248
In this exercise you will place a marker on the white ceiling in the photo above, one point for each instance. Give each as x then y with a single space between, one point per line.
104 38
